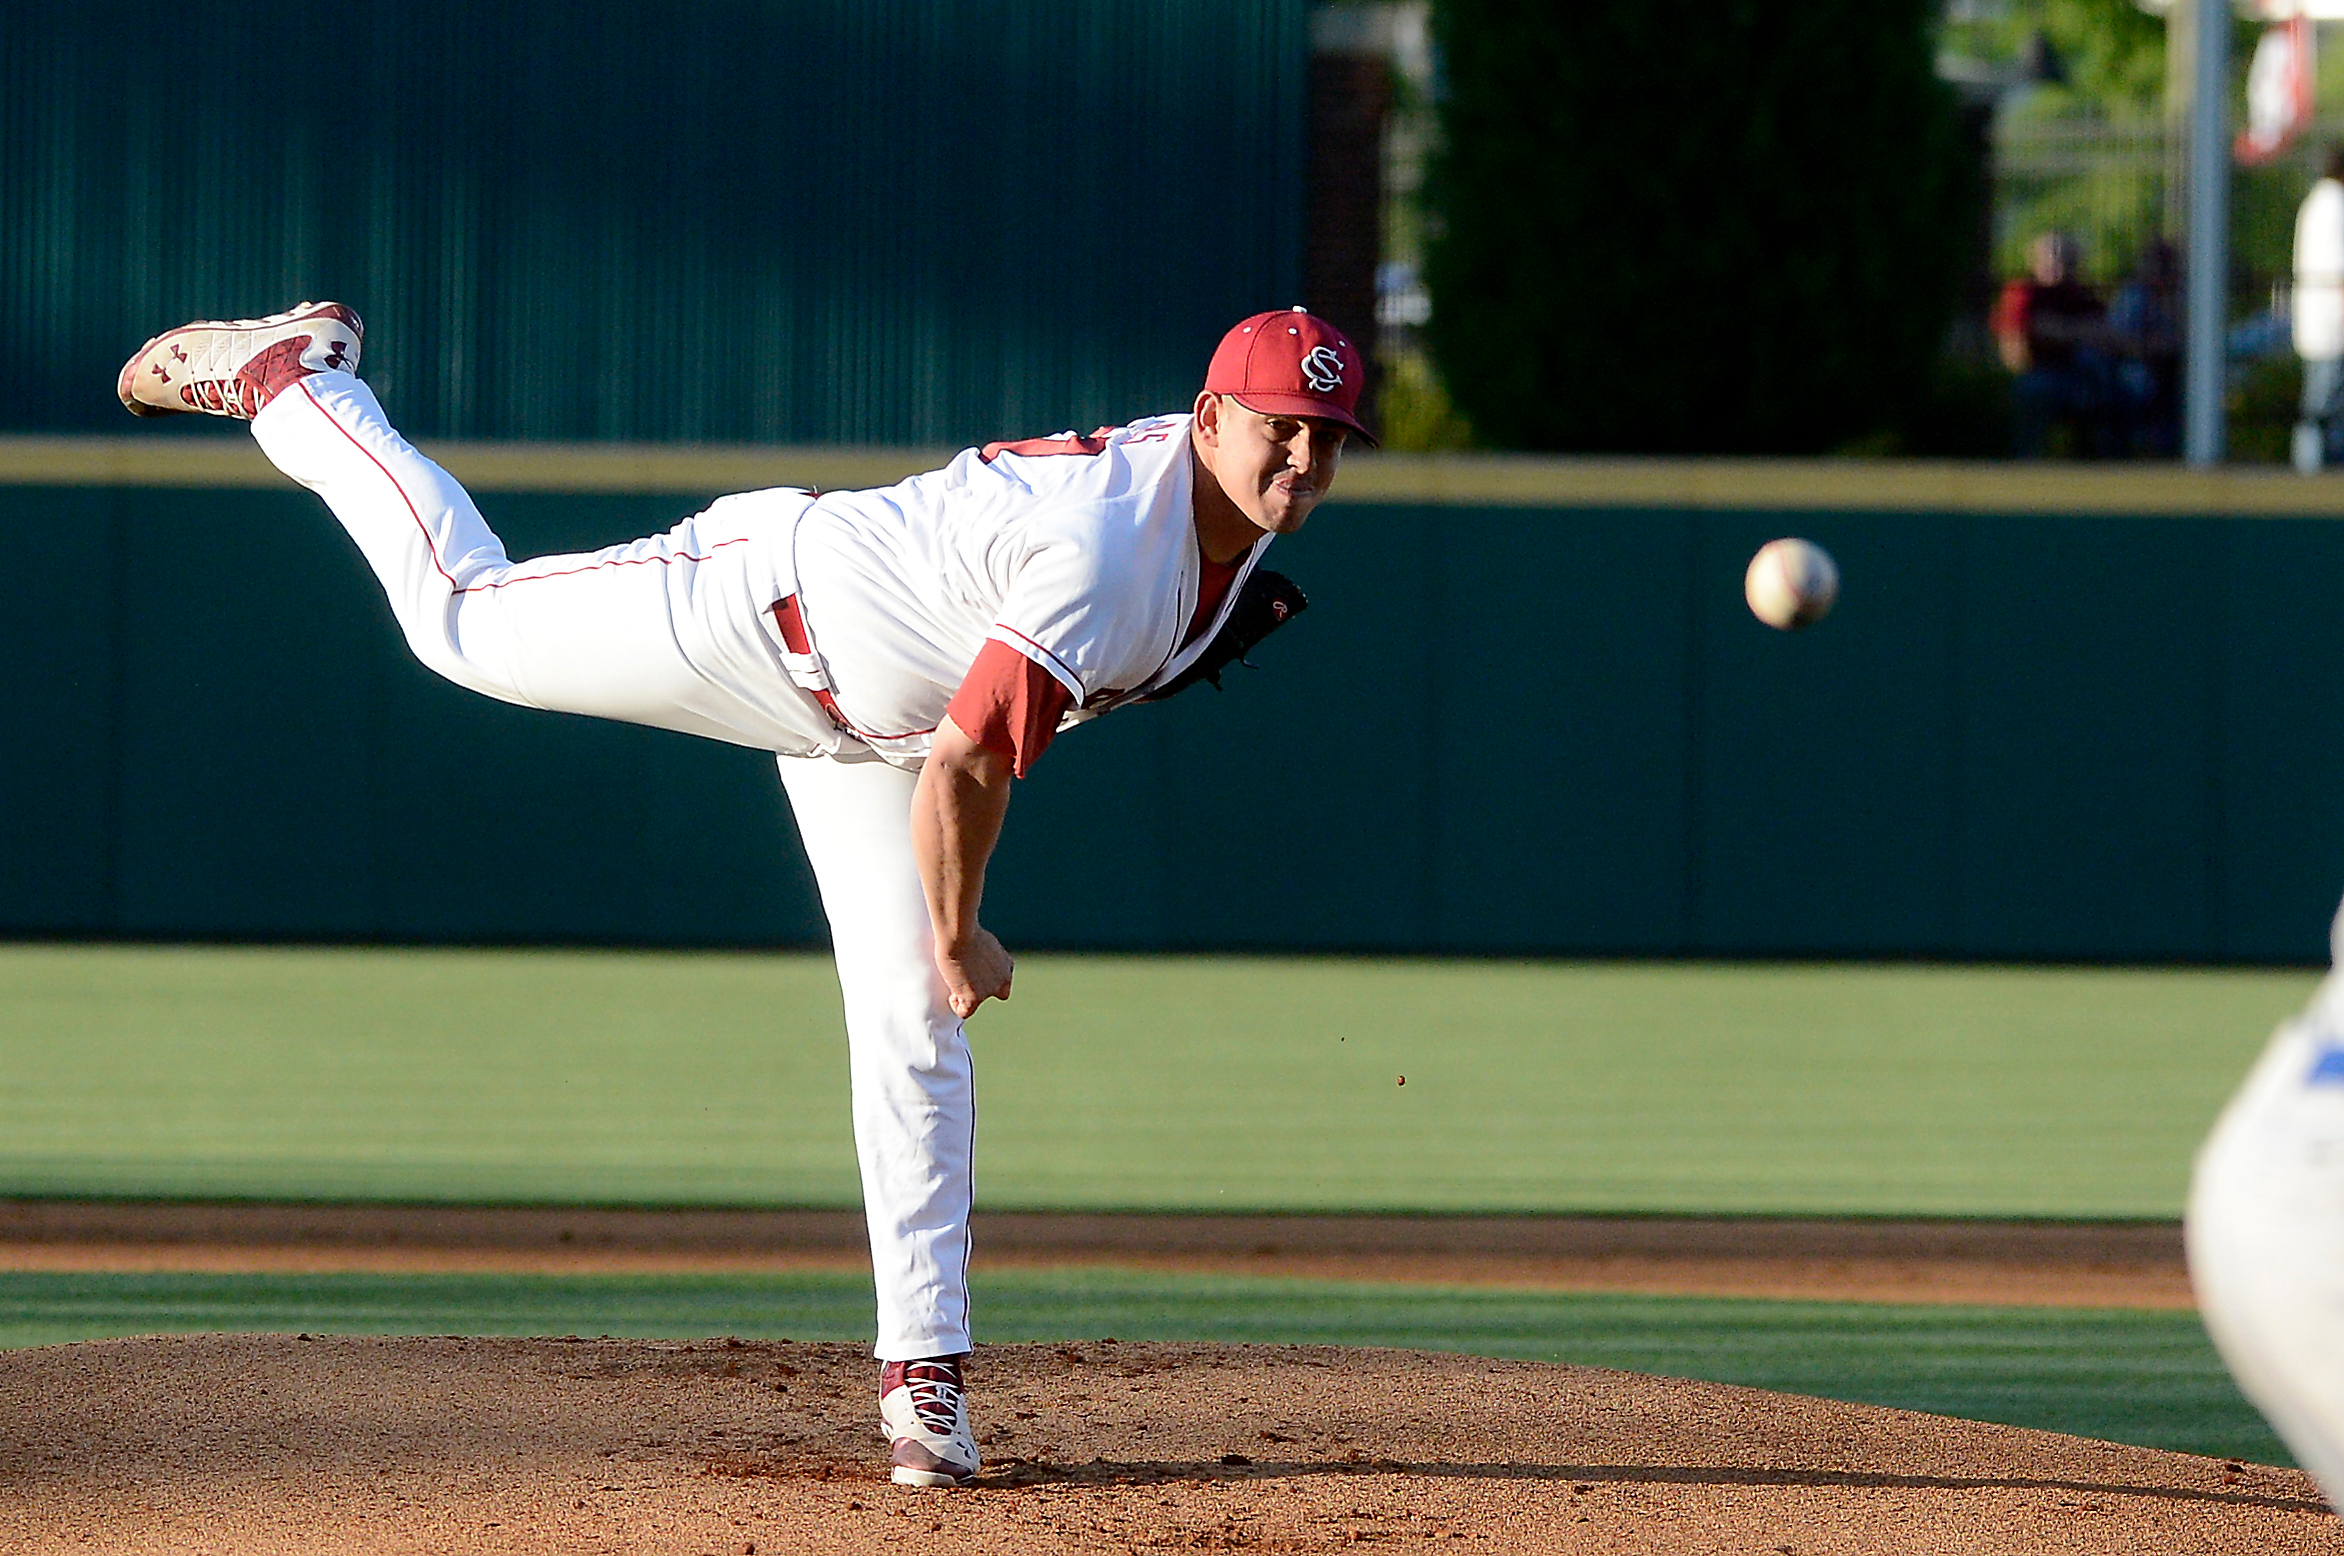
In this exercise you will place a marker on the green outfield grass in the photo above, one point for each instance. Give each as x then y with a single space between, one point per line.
1162 1083
2148 1378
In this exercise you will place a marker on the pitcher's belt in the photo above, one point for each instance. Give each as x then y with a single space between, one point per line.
792 623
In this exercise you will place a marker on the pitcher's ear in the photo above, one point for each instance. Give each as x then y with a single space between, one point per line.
1208 418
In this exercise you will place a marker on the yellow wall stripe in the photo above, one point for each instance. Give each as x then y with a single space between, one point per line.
1506 480
233 461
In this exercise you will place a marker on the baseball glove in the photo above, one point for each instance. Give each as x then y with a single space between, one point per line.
1267 602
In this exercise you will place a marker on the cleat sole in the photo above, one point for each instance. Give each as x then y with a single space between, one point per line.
927 1480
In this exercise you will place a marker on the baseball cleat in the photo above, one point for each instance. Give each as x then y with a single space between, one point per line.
925 1413
234 367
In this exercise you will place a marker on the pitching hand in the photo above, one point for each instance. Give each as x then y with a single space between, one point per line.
978 972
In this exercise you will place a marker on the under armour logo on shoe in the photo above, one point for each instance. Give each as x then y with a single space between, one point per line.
336 358
157 370
177 355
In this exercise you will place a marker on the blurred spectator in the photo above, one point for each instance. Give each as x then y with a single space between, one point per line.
2144 325
2318 307
2052 331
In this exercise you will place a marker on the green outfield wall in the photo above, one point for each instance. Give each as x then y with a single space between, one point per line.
2058 714
763 220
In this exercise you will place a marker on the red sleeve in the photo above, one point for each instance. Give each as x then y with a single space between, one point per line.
2012 308
1212 586
1009 704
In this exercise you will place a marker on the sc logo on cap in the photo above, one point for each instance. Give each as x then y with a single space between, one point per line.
1324 369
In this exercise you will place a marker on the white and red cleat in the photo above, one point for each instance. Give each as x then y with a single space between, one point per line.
234 367
925 1413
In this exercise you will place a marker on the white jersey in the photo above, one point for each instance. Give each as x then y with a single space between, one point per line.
1079 553
2318 303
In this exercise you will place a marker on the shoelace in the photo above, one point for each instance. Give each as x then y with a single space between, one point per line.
230 396
935 1389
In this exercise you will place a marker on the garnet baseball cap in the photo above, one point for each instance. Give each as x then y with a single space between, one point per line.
1291 363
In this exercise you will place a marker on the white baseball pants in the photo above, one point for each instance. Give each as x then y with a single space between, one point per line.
675 631
2266 1236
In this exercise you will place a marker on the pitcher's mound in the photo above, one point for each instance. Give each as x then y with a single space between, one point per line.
277 1443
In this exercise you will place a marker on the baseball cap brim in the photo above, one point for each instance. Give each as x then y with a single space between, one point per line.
1278 403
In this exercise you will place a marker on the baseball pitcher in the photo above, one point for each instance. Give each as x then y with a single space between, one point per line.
907 652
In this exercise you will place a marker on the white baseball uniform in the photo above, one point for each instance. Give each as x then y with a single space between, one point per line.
2266 1233
1077 556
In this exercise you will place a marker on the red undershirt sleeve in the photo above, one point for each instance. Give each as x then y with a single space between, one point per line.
1009 704
1212 587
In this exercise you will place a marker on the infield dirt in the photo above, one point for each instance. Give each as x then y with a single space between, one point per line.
327 1444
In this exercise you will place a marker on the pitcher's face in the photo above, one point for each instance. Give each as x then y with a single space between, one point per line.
1274 468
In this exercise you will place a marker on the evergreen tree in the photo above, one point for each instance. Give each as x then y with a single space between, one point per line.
1690 227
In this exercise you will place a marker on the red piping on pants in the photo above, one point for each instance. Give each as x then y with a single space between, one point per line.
431 548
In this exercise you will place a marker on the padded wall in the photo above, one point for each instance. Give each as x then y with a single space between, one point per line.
1500 730
819 221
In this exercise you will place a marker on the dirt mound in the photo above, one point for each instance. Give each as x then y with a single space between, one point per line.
277 1443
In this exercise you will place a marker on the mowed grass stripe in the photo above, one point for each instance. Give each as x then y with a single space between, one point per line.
1124 1082
2147 1378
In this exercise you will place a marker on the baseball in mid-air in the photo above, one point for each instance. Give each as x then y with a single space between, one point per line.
1791 584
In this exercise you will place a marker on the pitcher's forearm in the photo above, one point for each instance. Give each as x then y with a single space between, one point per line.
957 812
